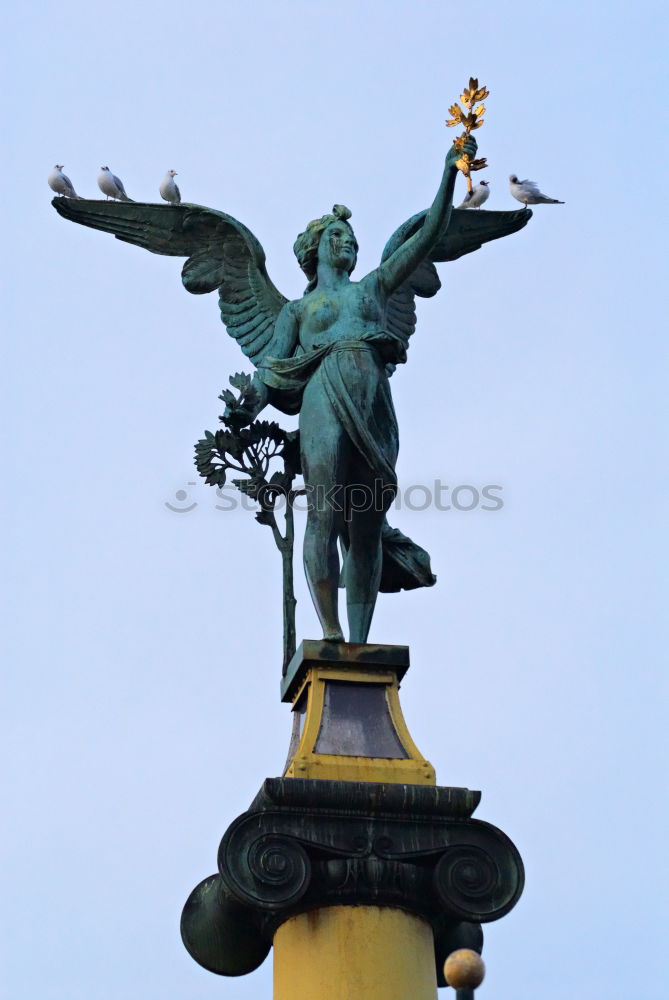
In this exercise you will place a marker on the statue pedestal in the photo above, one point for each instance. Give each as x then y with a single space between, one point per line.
347 720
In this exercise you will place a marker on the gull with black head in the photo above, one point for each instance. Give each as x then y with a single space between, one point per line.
528 193
477 196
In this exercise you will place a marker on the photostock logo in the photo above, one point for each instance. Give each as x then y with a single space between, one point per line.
417 497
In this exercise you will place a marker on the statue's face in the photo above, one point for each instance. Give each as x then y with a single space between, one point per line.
337 246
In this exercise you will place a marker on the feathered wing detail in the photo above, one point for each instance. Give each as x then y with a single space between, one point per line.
532 186
248 300
222 253
467 231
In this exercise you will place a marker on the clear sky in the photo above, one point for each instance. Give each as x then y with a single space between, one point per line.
144 647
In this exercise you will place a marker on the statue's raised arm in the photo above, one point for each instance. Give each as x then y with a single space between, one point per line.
404 260
435 235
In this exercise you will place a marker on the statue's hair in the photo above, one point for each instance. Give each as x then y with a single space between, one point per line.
305 247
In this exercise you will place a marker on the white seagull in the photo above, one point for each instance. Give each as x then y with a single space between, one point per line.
476 197
528 193
60 183
111 185
168 188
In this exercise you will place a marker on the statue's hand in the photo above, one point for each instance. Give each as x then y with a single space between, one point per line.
469 146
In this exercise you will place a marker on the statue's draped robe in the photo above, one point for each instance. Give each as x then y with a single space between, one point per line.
351 381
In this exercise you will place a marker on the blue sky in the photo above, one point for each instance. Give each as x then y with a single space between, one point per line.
141 700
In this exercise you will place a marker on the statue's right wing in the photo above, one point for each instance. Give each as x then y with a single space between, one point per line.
222 253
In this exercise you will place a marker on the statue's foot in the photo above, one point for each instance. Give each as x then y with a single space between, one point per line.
333 636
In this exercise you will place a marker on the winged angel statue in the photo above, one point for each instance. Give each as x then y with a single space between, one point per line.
327 356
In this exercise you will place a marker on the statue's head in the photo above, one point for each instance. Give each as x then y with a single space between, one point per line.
331 236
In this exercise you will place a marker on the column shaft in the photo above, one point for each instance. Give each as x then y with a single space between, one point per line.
354 953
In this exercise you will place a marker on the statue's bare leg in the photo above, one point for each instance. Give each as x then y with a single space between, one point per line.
325 452
364 560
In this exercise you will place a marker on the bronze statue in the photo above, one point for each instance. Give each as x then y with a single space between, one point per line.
327 356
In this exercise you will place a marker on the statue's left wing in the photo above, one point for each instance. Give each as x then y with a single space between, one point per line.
467 230
222 253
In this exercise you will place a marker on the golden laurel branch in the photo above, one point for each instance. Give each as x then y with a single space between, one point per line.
471 119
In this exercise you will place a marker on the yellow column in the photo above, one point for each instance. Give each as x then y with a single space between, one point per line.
354 953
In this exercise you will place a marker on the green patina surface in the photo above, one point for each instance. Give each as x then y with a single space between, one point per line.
328 356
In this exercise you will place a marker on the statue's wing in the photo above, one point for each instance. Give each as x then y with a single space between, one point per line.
468 230
222 253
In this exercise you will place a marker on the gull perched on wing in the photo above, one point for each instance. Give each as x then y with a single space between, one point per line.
528 193
60 183
168 188
111 185
476 197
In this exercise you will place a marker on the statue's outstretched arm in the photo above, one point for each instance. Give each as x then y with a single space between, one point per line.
403 262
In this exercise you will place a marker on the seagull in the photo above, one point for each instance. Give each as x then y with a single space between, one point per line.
111 185
168 189
475 198
528 193
60 183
